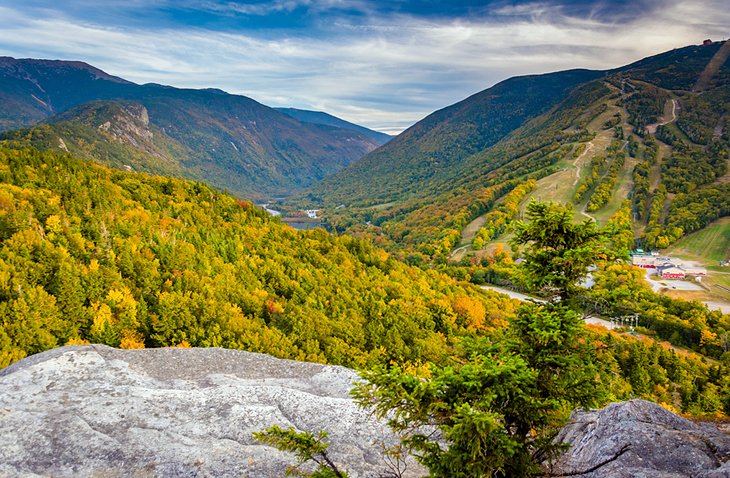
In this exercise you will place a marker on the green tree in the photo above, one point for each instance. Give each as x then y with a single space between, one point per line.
495 411
558 251
306 447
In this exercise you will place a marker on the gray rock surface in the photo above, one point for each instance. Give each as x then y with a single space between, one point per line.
102 412
94 411
640 439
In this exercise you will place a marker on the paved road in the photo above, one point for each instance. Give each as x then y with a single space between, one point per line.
589 319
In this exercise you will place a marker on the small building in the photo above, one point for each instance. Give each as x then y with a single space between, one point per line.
695 271
671 272
644 261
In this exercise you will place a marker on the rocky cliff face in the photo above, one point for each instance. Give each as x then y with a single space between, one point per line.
97 411
641 439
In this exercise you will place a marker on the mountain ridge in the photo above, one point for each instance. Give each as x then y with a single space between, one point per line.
323 118
232 141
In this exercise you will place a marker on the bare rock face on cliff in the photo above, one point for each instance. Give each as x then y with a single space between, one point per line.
641 439
98 411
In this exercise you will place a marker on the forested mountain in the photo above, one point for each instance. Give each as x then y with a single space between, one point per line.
320 117
231 141
653 132
131 260
431 149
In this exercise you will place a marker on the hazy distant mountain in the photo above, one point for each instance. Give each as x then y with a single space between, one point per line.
320 117
228 140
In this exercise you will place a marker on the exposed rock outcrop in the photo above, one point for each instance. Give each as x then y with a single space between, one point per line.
98 411
641 439
130 125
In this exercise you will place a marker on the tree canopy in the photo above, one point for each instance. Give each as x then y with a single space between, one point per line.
557 251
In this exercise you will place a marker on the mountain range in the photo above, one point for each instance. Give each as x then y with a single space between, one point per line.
230 141
91 254
653 133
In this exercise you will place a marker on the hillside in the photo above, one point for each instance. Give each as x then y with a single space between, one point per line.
126 259
231 141
320 117
431 149
116 134
457 178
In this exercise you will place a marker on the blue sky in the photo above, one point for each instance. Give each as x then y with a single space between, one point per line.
382 64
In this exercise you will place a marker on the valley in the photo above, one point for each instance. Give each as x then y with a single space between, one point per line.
482 274
618 142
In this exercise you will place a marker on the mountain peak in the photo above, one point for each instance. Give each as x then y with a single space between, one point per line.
8 63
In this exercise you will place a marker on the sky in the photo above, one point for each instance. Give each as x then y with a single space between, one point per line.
382 64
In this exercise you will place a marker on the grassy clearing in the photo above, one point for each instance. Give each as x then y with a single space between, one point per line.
718 279
471 229
558 187
561 186
709 245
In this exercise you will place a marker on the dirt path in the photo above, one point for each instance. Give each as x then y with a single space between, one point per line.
577 161
651 128
583 211
459 251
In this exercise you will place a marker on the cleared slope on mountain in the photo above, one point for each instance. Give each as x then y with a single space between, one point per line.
320 117
430 222
231 141
430 149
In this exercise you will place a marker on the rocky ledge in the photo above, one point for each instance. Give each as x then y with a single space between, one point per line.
97 411
640 439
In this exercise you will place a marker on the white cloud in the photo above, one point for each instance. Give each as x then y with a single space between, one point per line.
386 74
